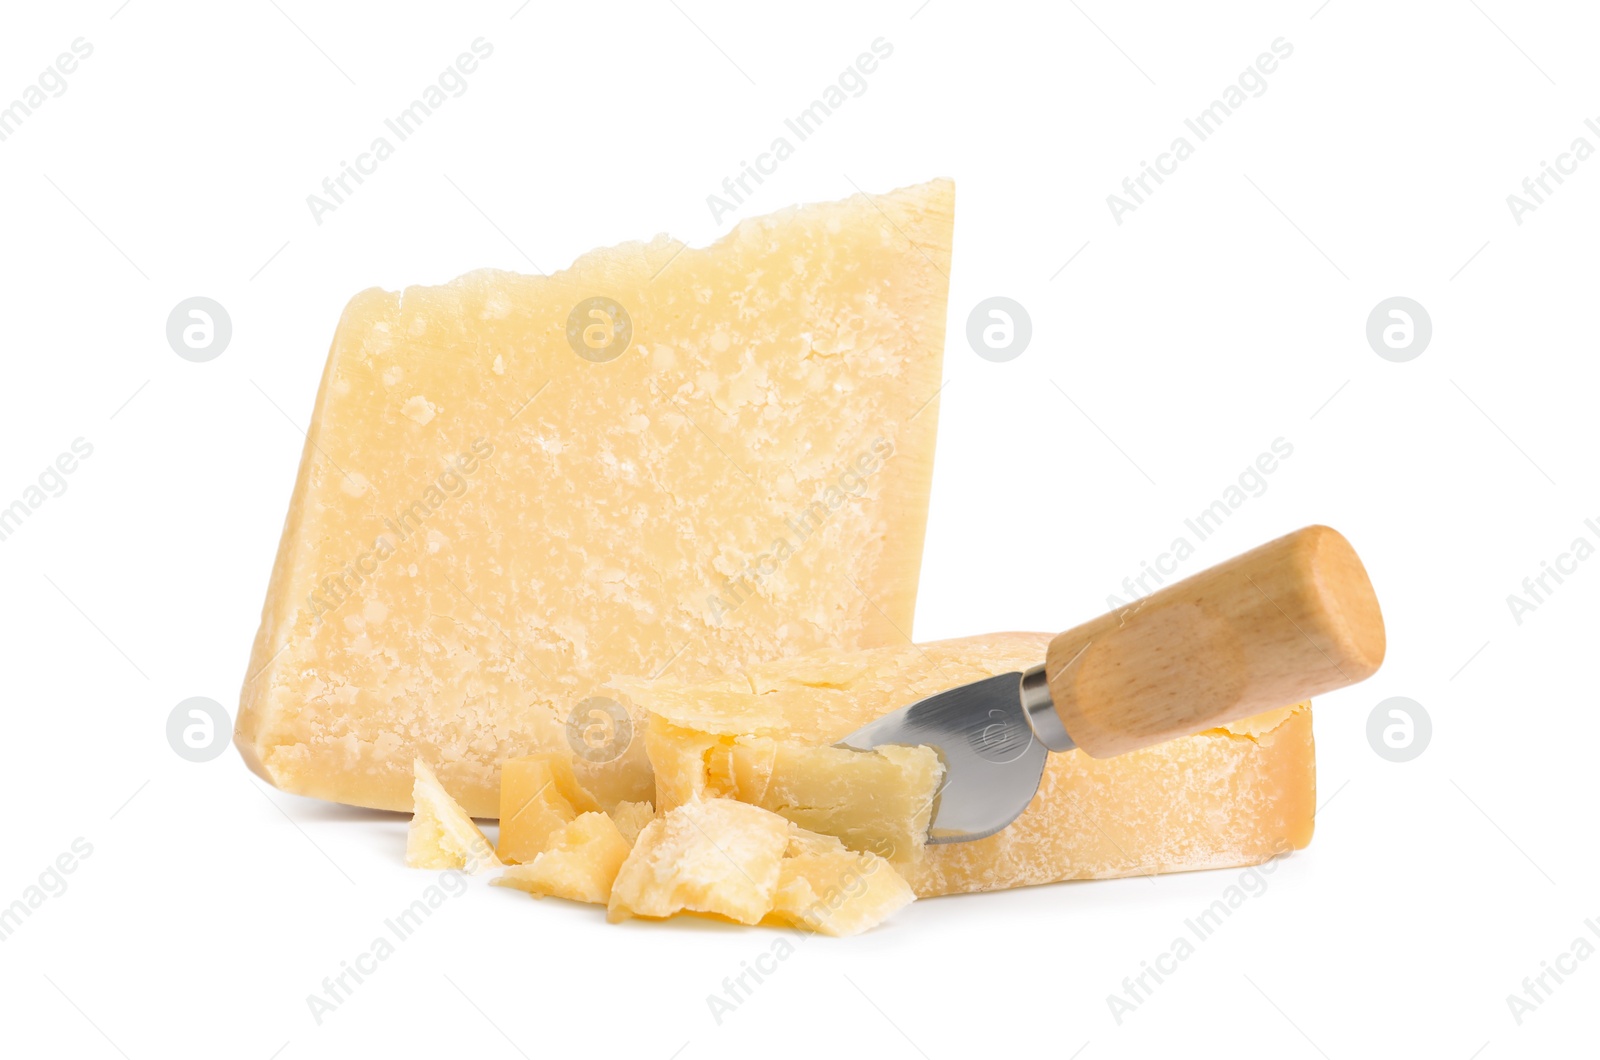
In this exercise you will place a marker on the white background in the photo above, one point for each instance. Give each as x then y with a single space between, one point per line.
1168 351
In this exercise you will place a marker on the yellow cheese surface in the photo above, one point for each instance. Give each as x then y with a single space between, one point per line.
538 795
580 863
730 859
441 835
716 856
1235 795
879 801
827 888
631 817
515 487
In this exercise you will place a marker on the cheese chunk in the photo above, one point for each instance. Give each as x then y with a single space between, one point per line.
441 835
580 863
514 487
631 817
685 727
1236 795
826 888
718 856
538 795
879 801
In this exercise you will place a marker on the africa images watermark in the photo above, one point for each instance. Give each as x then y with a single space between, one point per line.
51 883
1536 189
737 989
450 84
51 482
1537 989
1136 190
851 83
335 589
1537 588
339 988
736 589
1251 482
1248 885
50 84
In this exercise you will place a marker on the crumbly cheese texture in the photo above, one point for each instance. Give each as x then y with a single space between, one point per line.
494 515
580 863
717 856
733 860
1235 795
442 835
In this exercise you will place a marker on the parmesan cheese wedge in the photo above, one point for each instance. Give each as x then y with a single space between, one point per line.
1235 795
514 487
441 835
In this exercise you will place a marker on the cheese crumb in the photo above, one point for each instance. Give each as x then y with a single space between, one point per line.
441 835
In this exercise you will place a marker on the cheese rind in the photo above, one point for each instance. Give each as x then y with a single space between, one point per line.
490 520
1236 795
441 835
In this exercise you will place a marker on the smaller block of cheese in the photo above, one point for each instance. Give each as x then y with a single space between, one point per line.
580 863
826 888
716 856
879 801
538 795
1238 794
441 835
631 817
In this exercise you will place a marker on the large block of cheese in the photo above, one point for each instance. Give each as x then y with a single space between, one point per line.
515 487
1236 795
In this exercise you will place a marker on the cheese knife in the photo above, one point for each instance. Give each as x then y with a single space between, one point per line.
1291 619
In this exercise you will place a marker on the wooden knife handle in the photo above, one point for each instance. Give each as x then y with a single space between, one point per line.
1276 625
